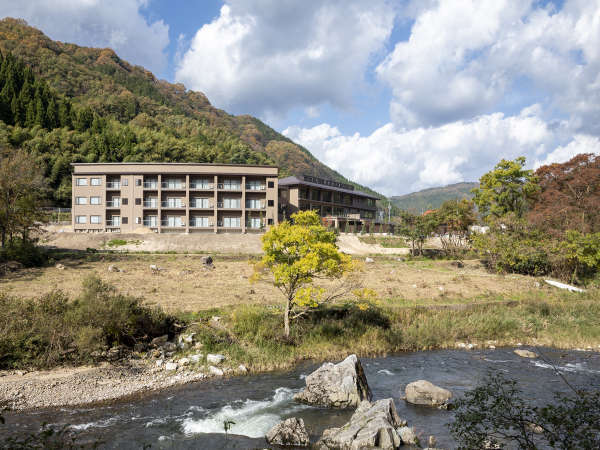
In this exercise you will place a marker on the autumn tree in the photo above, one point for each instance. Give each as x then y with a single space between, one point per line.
297 254
22 188
569 197
508 188
454 218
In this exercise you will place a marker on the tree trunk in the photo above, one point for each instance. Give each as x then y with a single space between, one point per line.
286 318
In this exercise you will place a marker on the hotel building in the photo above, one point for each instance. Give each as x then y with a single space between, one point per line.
173 197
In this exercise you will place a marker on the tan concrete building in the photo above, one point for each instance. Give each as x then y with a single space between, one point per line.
337 203
173 197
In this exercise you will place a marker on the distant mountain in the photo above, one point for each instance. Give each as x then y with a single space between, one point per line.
67 103
432 198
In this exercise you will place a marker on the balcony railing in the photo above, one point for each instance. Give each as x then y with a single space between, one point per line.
228 206
166 223
150 223
202 186
255 206
113 223
199 225
251 187
172 205
150 184
113 204
229 187
200 205
151 204
113 185
166 185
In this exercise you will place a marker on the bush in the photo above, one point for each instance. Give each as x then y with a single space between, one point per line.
25 252
54 330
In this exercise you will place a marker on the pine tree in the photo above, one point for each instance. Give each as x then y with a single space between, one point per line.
40 113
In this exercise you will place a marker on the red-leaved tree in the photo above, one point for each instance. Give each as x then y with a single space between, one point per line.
569 198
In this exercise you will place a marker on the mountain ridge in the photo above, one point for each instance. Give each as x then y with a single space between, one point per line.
432 198
138 116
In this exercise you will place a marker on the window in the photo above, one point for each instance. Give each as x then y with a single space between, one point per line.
203 183
151 221
254 185
174 202
94 219
138 201
124 201
81 200
232 185
124 220
270 222
81 181
200 222
125 181
80 219
94 200
271 184
115 221
151 202
231 222
201 203
253 222
173 221
138 182
232 202
138 220
95 181
270 203
254 203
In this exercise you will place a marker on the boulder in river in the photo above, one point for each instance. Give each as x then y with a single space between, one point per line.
423 392
526 353
336 385
408 436
289 432
373 425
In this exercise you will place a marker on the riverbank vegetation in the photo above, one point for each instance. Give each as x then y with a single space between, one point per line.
56 330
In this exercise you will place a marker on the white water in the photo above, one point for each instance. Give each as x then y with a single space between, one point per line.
577 367
253 418
385 372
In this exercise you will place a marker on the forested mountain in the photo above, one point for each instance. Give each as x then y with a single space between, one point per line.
66 103
432 198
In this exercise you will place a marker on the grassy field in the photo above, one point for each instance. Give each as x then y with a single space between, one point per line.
385 241
184 285
421 305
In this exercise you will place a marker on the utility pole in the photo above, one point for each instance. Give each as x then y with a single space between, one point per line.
389 213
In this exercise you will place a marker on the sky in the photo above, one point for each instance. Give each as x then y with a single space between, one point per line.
399 95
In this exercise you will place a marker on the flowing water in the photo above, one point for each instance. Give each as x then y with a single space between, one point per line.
192 416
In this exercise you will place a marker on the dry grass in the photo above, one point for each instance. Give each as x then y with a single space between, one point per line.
184 285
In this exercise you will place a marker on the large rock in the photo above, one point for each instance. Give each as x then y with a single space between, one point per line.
408 436
526 353
423 392
215 358
373 425
289 432
336 385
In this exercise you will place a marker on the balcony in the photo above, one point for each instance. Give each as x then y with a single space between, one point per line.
113 185
253 187
113 204
172 186
150 185
173 205
172 224
113 223
202 205
226 205
229 187
255 206
199 225
151 204
202 186
150 223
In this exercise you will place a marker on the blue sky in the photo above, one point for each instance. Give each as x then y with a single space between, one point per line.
399 95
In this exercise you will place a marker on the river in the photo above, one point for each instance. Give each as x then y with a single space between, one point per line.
192 416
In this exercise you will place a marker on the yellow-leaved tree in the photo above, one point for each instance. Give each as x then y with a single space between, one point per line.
298 253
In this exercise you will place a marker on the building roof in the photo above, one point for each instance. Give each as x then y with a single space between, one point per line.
292 181
172 164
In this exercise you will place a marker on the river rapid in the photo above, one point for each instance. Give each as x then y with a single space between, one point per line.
192 416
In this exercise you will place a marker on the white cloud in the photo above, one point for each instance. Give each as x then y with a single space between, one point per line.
396 161
581 143
269 56
118 24
468 57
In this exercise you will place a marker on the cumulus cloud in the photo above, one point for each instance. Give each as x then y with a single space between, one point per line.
269 56
468 57
395 161
118 24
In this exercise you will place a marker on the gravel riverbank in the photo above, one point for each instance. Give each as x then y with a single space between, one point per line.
21 390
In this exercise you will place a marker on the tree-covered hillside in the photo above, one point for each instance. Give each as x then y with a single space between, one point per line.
433 198
66 103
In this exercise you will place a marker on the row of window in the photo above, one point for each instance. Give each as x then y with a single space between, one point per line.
175 183
173 221
84 181
176 202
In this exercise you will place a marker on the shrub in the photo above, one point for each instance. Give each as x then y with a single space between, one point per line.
53 329
25 252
